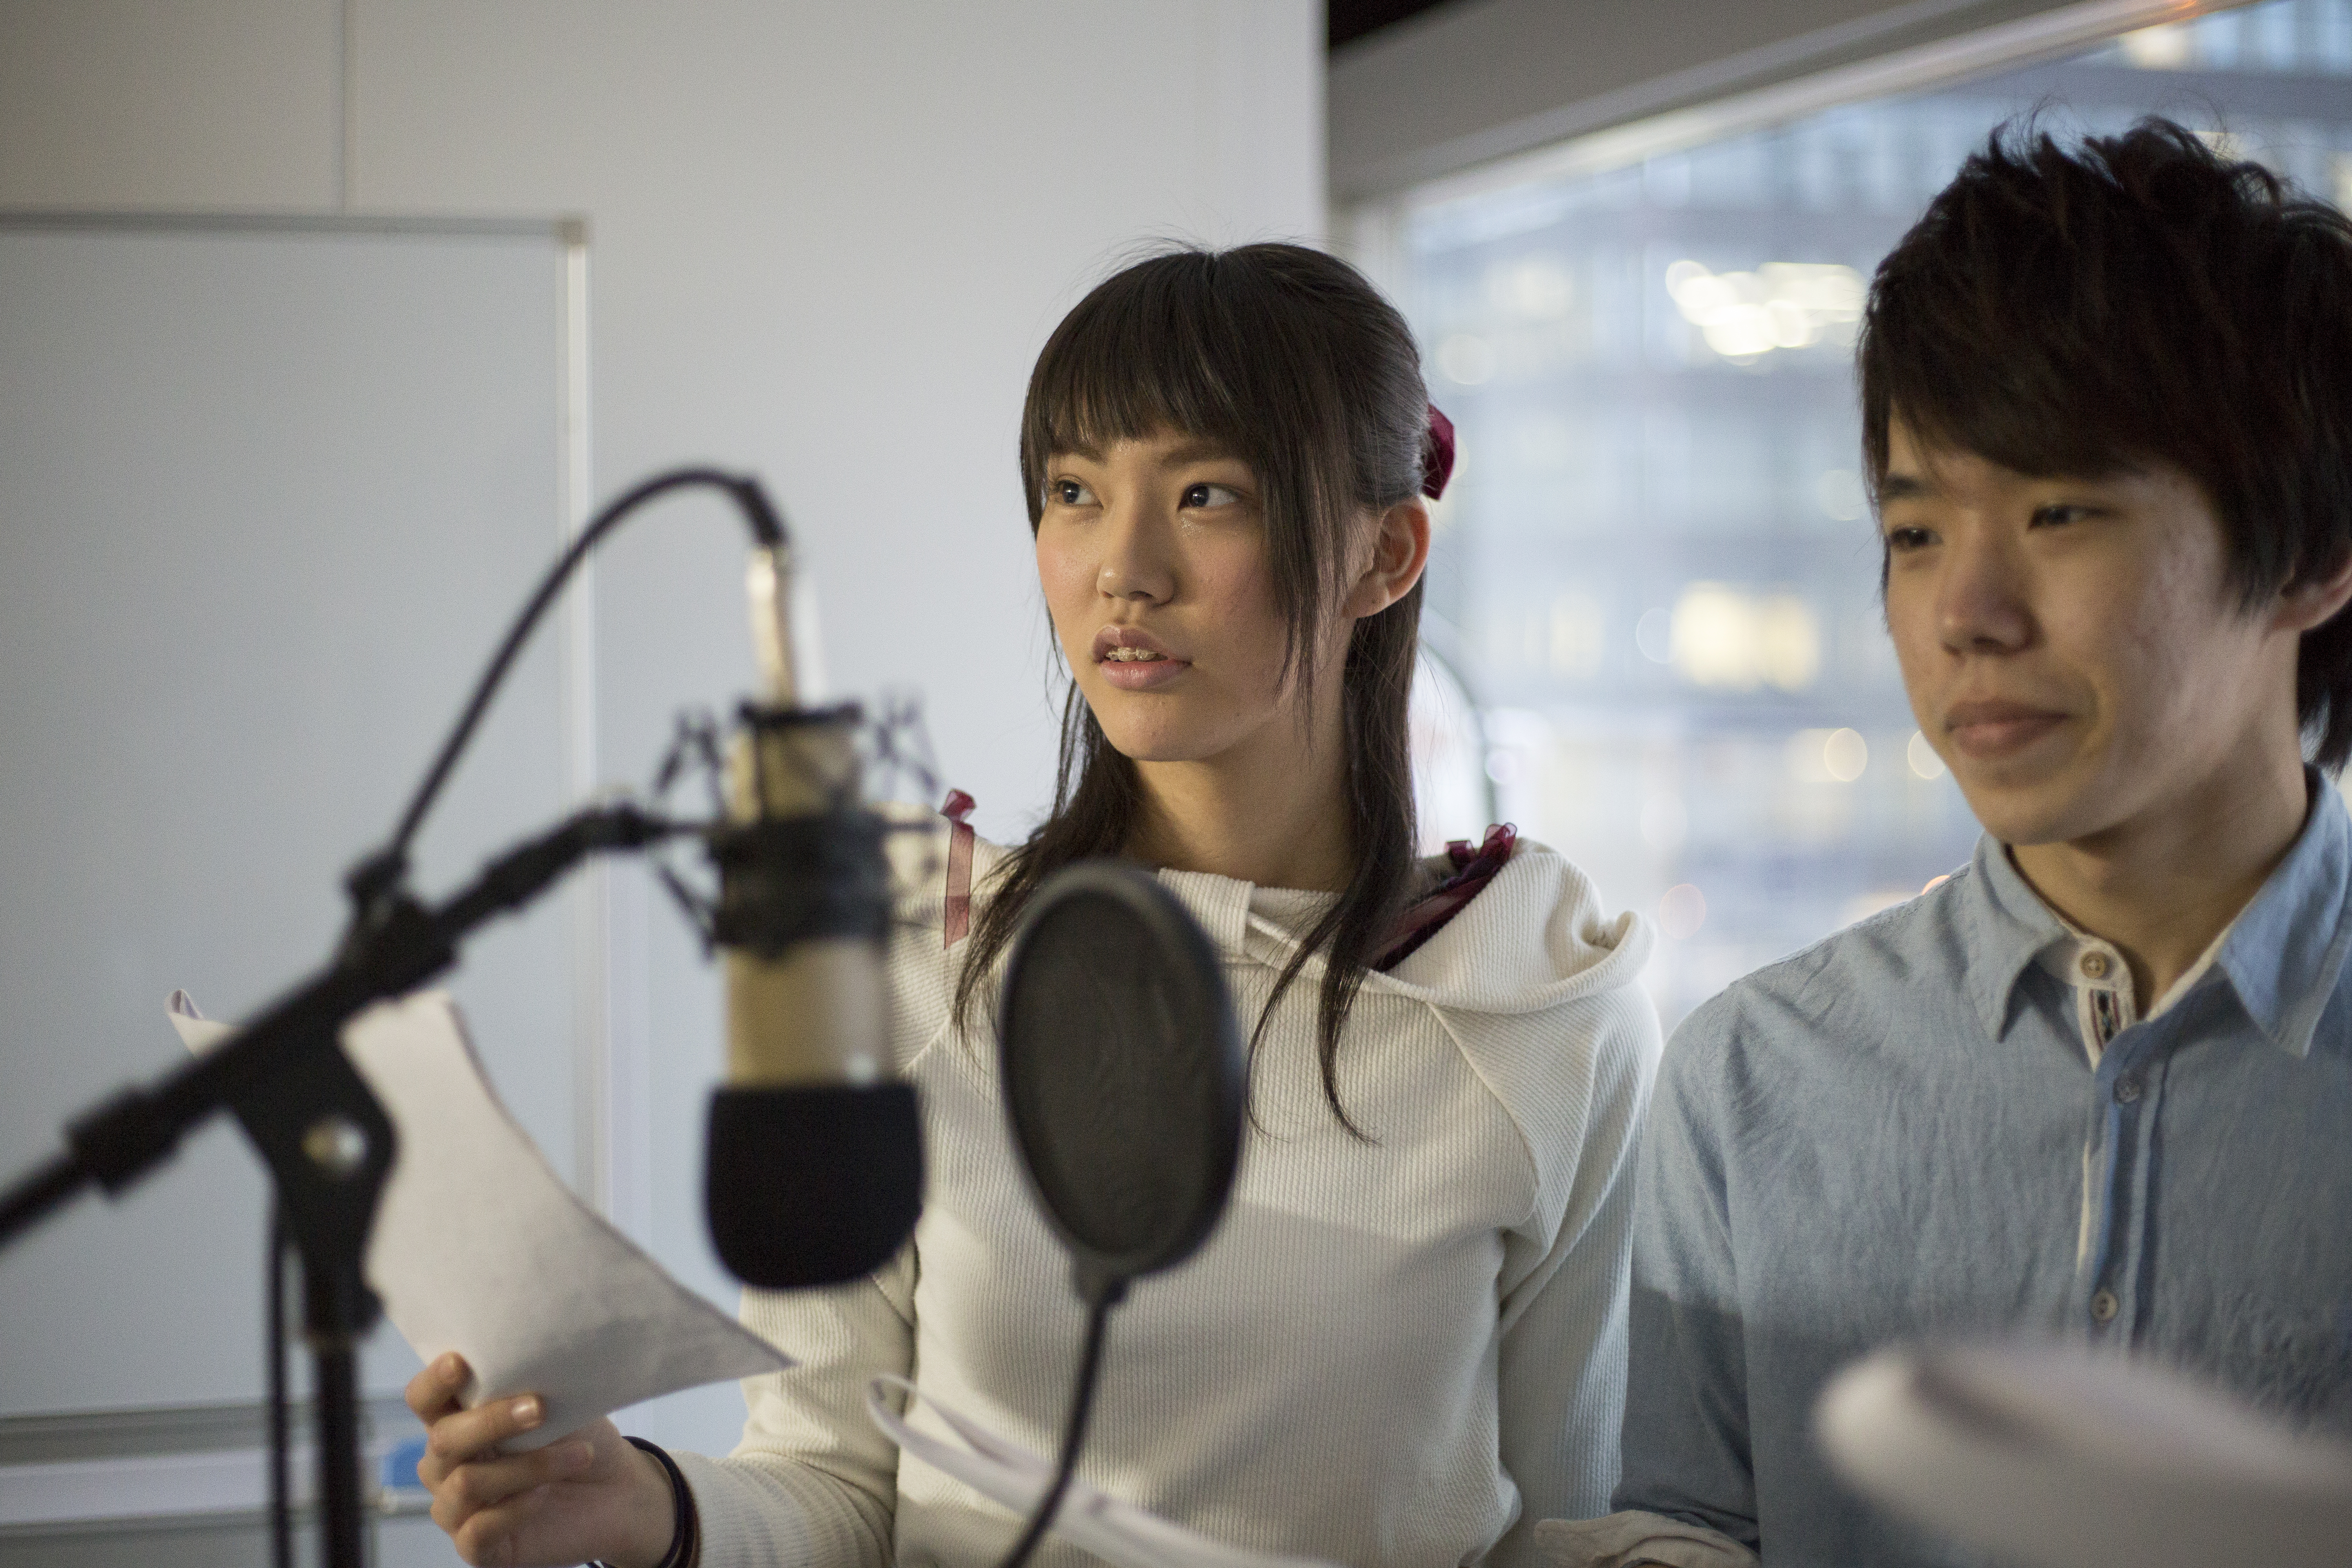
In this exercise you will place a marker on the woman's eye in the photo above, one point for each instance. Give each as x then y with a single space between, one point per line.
1070 492
1902 541
1204 495
2060 515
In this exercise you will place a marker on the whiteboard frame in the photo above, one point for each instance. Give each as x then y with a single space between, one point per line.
593 1123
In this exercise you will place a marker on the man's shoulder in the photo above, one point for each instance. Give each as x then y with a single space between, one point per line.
1908 960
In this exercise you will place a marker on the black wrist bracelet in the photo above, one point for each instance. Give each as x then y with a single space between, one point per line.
683 1530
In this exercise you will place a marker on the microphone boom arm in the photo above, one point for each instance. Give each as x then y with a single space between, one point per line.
326 1139
118 1141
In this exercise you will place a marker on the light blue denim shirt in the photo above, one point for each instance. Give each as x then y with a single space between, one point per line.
1898 1133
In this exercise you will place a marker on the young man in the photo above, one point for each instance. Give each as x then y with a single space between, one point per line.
2099 1082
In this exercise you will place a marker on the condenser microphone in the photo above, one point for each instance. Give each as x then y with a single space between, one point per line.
816 1166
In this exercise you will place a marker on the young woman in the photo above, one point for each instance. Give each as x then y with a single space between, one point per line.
1405 1343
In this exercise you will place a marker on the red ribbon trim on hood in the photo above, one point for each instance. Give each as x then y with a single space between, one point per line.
956 919
1427 915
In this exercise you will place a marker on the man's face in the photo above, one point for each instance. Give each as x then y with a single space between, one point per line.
2071 648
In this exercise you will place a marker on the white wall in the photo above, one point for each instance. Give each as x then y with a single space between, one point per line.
826 243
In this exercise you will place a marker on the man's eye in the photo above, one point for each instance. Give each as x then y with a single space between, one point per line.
1204 495
1069 492
2059 515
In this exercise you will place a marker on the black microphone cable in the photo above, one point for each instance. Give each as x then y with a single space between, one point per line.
1074 1431
273 1288
376 880
375 877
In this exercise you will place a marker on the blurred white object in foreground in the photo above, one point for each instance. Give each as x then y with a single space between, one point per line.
2054 1456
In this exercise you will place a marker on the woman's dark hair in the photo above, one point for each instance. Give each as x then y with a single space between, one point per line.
2130 299
1294 364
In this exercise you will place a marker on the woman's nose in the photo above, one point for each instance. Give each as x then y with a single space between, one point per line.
1136 562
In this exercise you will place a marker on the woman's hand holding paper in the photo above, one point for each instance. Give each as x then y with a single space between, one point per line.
593 1495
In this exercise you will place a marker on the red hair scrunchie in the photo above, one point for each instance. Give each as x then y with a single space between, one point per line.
1438 455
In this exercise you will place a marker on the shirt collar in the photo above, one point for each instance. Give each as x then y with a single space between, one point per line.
2282 955
2288 947
2008 928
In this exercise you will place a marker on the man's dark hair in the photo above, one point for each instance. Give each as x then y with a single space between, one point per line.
2130 299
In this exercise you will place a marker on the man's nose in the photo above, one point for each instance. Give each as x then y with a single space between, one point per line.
1981 600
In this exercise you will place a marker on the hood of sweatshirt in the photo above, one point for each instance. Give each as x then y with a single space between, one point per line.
1536 937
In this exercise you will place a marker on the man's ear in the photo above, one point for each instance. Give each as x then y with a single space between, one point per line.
2312 603
1399 555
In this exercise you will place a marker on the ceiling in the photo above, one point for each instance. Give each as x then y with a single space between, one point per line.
1348 20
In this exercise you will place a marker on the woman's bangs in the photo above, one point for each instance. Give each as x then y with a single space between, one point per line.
1133 365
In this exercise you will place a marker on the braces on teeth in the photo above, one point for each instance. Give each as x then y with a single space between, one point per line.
1130 655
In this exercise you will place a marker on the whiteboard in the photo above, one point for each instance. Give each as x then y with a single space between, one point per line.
269 490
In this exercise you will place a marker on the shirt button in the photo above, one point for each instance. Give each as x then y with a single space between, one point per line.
2095 965
2102 1306
2127 1089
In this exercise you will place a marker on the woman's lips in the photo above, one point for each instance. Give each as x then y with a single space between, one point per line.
1134 660
1141 674
1991 729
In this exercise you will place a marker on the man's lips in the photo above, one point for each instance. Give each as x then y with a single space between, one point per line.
1990 729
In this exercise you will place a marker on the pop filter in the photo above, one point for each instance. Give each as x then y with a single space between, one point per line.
1124 1080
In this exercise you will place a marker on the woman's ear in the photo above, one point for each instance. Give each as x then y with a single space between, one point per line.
1400 553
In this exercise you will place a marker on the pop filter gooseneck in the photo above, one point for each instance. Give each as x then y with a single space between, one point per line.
1123 1076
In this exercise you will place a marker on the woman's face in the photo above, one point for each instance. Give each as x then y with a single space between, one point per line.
1153 555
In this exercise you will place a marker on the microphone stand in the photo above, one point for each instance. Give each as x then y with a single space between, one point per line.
327 1142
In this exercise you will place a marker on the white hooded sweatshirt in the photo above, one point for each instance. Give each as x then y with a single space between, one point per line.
1397 1352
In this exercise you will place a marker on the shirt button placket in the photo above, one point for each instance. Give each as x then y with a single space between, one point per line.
2132 1093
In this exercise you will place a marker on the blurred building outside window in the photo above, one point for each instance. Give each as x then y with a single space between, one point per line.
1656 571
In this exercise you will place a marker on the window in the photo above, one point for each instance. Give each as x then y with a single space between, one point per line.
1657 571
